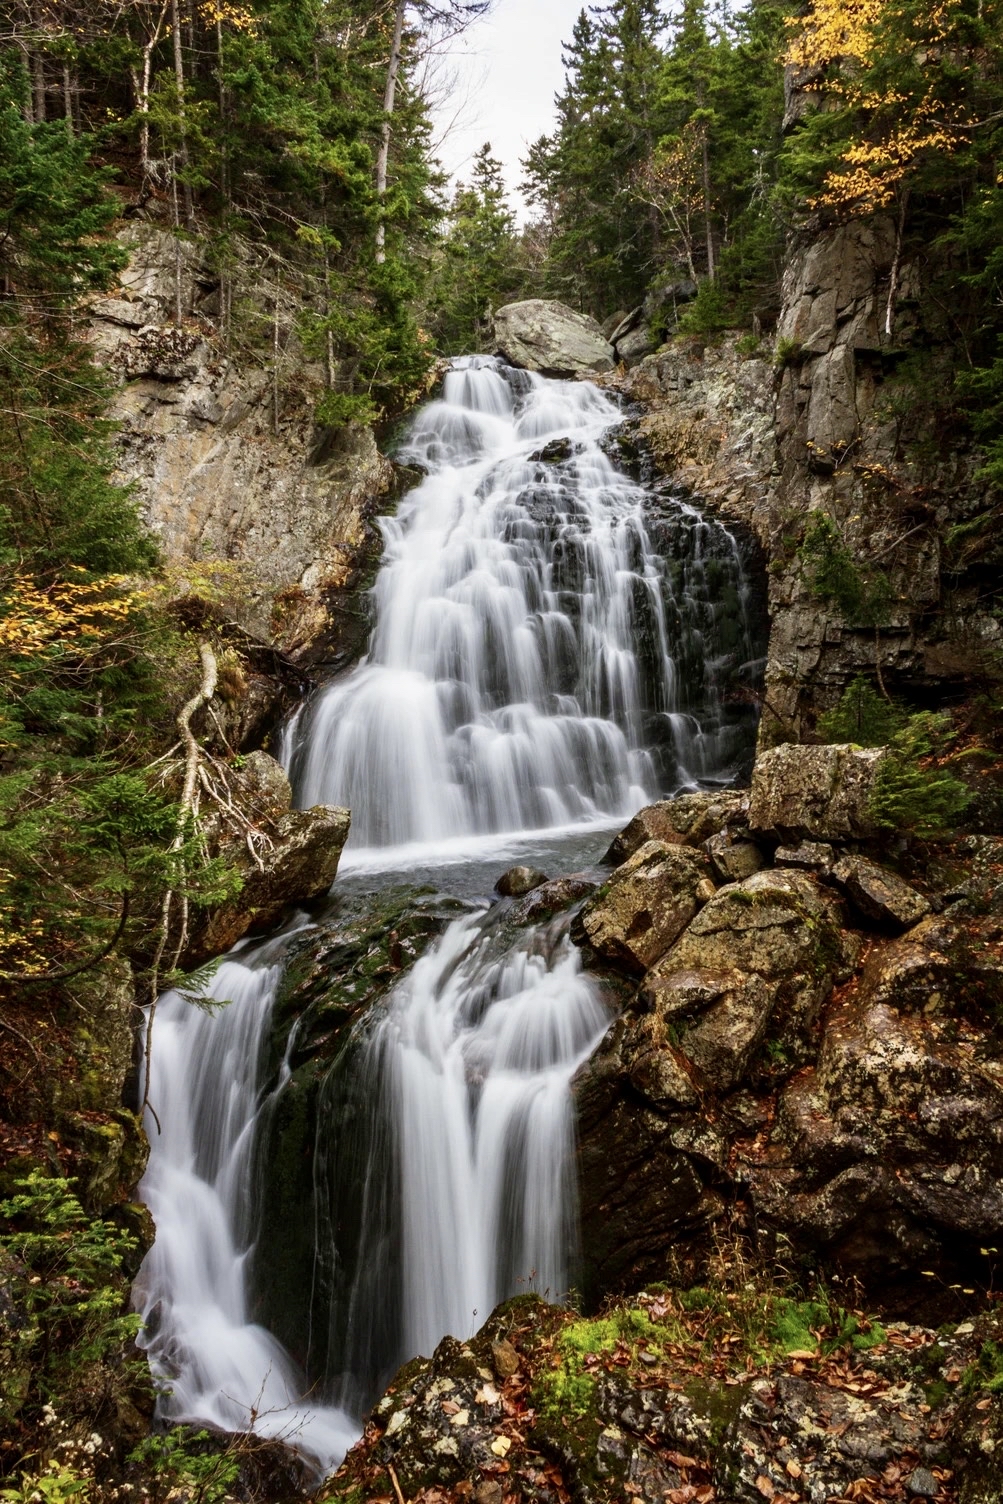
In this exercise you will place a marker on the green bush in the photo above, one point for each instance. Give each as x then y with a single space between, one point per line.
188 1461
69 1286
913 793
862 716
863 596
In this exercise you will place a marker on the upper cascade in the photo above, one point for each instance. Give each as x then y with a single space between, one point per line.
523 668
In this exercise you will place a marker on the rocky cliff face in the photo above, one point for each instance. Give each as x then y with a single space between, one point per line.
840 416
217 434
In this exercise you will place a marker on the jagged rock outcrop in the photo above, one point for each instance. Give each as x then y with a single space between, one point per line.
545 336
222 446
828 418
708 422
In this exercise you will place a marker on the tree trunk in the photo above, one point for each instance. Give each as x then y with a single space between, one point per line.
68 98
142 92
708 225
179 76
39 87
389 95
27 109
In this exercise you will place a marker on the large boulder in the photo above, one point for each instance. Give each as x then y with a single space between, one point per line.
549 337
752 968
894 1150
644 907
818 793
283 856
880 896
780 927
687 820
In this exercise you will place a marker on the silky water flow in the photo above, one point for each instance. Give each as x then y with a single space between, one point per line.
537 663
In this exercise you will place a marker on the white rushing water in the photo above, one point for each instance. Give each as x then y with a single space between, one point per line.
460 1093
535 665
214 1364
519 671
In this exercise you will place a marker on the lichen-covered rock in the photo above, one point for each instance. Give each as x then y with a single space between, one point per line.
807 856
542 335
644 907
297 865
262 787
894 1146
645 1403
687 820
940 967
879 895
820 793
733 859
779 925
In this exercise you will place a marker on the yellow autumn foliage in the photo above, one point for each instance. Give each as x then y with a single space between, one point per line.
67 614
835 45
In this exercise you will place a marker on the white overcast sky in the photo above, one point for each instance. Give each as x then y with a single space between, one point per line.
505 72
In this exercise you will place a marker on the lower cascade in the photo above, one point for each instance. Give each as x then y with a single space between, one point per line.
537 664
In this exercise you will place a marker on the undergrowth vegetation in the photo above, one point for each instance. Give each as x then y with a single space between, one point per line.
916 790
748 1317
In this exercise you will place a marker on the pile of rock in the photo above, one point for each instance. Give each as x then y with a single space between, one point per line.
806 1038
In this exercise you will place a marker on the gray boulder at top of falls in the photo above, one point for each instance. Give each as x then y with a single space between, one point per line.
548 337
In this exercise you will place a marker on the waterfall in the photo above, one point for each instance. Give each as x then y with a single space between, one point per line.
212 1363
459 1096
543 659
523 671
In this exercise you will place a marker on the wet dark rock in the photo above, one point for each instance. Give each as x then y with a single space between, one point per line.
518 881
644 906
335 975
687 820
921 1484
550 898
880 896
554 453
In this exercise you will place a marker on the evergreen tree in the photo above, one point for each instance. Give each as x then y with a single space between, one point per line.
601 250
480 258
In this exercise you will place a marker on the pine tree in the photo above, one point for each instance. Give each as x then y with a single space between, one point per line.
480 258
